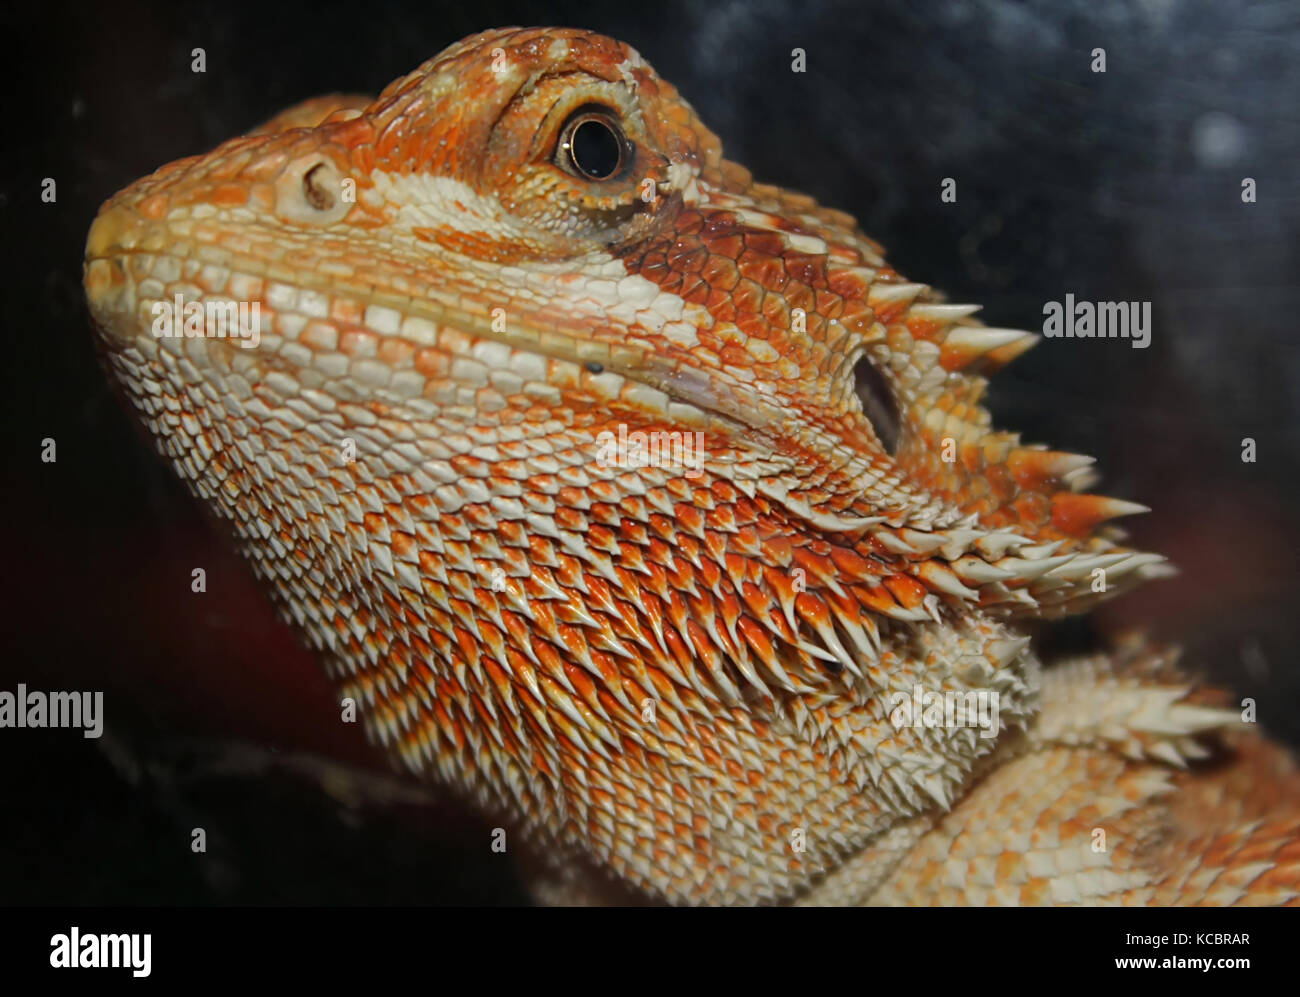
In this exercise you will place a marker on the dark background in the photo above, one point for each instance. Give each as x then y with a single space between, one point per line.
1118 186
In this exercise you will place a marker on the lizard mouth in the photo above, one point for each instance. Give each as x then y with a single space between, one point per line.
132 263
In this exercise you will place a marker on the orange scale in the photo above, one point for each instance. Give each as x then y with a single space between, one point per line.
758 243
710 573
907 590
689 259
499 679
689 546
888 312
733 355
690 518
693 289
682 577
655 260
754 326
578 676
689 222
682 656
480 518
720 269
847 282
721 225
670 283
972 456
776 310
812 609
663 527
613 708
721 305
807 270
748 297
1079 514
603 539
1035 507
1001 483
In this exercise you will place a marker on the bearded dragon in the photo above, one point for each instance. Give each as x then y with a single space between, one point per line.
647 506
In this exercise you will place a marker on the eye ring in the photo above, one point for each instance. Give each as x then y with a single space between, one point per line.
592 145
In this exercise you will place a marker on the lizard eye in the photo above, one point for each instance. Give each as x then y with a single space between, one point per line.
592 145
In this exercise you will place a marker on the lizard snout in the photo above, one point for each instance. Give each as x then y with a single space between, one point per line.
117 231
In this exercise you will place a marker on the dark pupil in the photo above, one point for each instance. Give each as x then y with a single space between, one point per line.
595 149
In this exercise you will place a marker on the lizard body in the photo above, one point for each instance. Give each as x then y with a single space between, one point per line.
682 676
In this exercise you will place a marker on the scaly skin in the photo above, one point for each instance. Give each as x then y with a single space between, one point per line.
672 679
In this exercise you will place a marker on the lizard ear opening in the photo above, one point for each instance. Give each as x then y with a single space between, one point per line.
878 404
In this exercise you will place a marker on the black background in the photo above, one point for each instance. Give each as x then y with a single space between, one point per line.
1115 186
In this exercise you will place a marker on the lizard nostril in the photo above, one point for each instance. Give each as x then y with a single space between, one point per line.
311 190
314 188
878 404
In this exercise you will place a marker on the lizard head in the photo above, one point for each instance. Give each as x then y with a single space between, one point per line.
620 490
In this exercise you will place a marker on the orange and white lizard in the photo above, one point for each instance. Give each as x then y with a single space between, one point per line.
569 446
